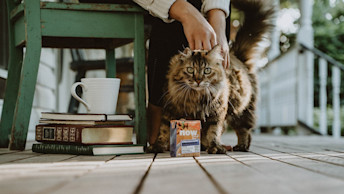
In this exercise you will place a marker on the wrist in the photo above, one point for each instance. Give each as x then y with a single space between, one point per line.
183 11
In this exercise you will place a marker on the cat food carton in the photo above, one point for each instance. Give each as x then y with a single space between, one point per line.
185 138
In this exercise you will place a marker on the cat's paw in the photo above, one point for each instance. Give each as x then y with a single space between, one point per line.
155 149
216 149
240 148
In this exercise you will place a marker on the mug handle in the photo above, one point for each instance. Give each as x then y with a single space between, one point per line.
78 98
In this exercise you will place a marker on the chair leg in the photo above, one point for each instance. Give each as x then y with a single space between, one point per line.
28 77
27 85
11 93
110 63
140 82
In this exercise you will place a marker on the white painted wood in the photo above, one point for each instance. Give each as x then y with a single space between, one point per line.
323 96
277 91
274 50
3 73
305 91
48 57
305 34
336 101
44 98
176 175
65 83
46 77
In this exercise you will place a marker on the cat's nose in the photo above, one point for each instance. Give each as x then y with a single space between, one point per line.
198 81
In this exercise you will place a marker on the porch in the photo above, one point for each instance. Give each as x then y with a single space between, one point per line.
275 164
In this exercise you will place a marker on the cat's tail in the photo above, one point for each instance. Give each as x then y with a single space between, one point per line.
259 18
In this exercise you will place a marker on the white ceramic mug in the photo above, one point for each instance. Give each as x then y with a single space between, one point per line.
100 94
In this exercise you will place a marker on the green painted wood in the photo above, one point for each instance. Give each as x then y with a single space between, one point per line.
66 23
19 32
140 81
110 63
12 84
17 12
27 81
92 7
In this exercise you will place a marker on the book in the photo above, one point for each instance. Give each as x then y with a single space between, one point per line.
69 122
84 117
96 150
84 134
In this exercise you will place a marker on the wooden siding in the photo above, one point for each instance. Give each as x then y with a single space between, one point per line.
277 97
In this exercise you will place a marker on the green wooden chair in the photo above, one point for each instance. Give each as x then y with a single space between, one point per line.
34 24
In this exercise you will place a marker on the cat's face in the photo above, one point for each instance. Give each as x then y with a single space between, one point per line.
197 70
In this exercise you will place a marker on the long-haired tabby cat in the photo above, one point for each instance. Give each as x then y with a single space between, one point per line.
200 88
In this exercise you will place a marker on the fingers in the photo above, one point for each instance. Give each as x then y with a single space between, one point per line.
207 46
203 43
213 42
225 62
198 45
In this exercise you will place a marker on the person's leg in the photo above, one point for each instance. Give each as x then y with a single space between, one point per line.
154 117
165 41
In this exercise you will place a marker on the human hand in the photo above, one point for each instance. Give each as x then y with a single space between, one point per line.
199 33
217 19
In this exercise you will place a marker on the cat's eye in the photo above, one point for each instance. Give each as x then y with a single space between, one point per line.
207 70
190 70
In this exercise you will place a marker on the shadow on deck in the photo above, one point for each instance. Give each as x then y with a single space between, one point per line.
275 164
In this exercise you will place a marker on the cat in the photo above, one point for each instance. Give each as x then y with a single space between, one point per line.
200 88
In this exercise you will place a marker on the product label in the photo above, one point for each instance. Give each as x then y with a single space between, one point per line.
190 146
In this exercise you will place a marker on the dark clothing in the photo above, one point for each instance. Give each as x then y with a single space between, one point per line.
165 41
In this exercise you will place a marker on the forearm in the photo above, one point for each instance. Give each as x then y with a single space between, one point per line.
217 19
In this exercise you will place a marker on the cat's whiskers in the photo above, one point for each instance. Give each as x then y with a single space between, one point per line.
176 91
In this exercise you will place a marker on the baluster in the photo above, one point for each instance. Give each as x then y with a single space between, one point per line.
323 96
336 101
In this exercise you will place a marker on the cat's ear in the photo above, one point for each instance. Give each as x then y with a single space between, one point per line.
186 53
215 53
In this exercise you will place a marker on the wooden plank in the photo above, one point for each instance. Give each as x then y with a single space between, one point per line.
176 175
6 151
54 170
312 150
12 85
323 96
66 23
28 77
110 63
234 176
336 128
15 156
289 175
327 168
120 175
92 7
140 81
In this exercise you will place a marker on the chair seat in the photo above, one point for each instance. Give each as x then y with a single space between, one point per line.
84 25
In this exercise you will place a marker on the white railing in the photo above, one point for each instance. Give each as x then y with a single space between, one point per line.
336 68
286 97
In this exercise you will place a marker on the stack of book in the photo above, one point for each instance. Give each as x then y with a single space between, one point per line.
85 134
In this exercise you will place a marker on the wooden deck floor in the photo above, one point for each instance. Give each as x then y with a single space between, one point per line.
274 165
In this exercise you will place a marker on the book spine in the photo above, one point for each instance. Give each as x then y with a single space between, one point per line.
59 133
62 149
